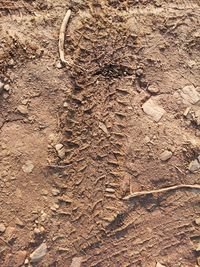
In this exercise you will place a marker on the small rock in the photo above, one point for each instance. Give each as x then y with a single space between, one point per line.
147 139
2 228
190 95
11 62
153 89
159 265
153 110
18 222
28 167
20 258
24 101
54 207
198 248
26 262
103 127
59 65
55 192
139 72
5 95
76 262
43 216
194 166
39 231
60 150
166 155
45 192
58 147
65 199
197 221
7 87
65 104
22 109
39 253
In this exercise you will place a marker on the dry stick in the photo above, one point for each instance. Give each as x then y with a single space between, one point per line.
175 187
5 242
62 36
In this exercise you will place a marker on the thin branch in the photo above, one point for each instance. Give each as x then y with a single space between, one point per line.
175 187
5 242
62 36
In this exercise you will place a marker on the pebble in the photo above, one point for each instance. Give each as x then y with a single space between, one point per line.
76 262
65 104
166 155
26 261
60 150
194 166
39 231
139 72
159 265
2 228
54 207
153 110
44 192
22 109
59 65
43 216
55 192
190 95
197 221
110 190
7 87
28 167
38 254
198 248
18 222
147 139
103 127
153 89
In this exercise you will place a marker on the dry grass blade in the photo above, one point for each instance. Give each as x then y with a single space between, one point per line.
162 190
62 36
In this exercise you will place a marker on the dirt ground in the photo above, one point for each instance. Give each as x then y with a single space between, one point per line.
77 140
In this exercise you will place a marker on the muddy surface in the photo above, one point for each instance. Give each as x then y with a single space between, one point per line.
77 139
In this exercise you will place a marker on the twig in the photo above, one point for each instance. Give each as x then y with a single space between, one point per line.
62 36
5 242
175 187
58 166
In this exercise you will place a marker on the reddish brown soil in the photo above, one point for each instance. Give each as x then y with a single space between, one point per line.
117 50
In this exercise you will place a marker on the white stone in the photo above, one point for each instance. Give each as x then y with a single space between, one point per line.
28 167
159 265
153 89
153 110
166 155
194 166
2 228
39 253
190 95
22 109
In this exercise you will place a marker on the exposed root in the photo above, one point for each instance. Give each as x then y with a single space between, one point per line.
175 187
62 37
